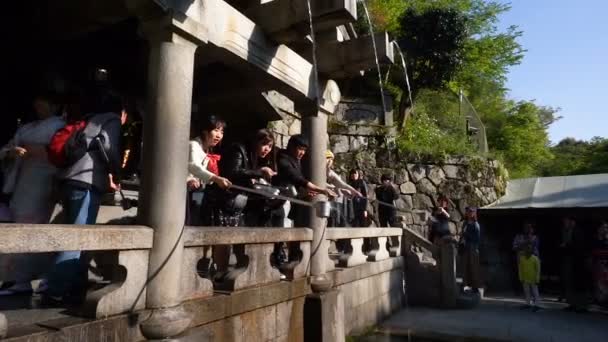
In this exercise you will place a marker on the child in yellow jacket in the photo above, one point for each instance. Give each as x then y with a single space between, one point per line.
529 275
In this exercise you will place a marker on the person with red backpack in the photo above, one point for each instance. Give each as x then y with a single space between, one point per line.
87 152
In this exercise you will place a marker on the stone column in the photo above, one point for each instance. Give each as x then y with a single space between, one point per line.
314 127
3 326
447 263
162 204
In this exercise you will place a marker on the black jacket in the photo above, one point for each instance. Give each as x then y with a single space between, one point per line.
289 171
236 165
387 194
359 203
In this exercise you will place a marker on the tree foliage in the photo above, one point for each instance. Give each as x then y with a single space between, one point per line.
436 129
434 43
522 140
573 157
456 45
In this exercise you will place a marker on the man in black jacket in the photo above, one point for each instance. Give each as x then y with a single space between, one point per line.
387 193
290 174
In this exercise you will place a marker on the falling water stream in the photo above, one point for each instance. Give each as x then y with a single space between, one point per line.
407 79
315 70
380 83
371 32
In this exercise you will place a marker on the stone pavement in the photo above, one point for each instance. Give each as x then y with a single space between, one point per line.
497 319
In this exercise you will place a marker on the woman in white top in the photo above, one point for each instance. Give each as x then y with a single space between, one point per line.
203 166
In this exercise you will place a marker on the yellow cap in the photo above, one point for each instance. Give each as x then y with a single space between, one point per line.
329 154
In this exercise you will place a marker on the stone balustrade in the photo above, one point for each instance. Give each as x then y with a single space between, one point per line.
118 254
366 244
251 255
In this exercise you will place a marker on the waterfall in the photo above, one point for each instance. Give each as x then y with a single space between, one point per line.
407 79
315 69
371 31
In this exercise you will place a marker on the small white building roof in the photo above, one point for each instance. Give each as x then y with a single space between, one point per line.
583 191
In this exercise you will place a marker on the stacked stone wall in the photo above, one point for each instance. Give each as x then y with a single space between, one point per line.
465 181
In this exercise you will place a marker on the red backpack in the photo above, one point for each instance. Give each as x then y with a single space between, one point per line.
66 145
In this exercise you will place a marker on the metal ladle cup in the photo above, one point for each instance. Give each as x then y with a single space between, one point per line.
323 208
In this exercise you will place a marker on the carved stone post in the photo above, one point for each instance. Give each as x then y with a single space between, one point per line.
449 288
314 127
3 326
162 202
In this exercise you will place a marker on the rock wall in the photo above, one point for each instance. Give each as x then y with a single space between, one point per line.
465 181
361 136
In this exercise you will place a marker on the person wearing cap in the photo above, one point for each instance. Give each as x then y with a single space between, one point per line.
342 189
387 193
289 173
470 240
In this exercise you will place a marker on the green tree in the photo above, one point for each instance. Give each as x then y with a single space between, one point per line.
575 157
522 142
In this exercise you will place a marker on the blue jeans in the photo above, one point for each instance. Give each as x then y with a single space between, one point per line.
80 206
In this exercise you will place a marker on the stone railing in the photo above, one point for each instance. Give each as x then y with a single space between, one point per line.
118 254
413 237
360 245
250 259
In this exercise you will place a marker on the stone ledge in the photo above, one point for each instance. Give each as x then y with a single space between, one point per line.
205 236
36 238
347 275
205 311
118 328
357 233
221 306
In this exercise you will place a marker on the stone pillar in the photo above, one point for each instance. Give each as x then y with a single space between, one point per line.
3 326
447 263
324 317
314 127
162 203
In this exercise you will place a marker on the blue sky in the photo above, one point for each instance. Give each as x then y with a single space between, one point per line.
566 64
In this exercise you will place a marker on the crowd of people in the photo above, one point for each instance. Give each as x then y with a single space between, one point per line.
33 182
582 258
94 124
583 264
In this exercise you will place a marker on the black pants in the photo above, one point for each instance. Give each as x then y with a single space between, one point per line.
386 219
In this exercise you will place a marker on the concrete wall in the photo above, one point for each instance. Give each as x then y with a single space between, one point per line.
370 300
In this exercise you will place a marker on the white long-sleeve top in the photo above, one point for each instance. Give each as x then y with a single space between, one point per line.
198 161
335 181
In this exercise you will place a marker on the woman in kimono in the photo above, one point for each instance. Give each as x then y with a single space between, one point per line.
29 178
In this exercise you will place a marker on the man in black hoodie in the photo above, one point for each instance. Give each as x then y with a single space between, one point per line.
289 173
388 194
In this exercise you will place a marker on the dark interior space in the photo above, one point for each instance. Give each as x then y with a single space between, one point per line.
499 228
